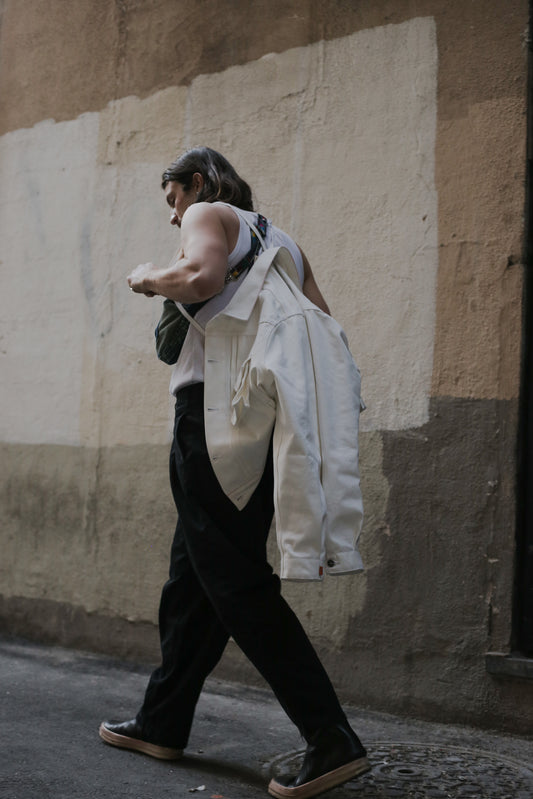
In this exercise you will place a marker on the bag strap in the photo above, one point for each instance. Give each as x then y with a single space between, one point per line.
179 305
191 319
251 226
250 258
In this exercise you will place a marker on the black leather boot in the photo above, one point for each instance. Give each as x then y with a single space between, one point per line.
334 756
127 735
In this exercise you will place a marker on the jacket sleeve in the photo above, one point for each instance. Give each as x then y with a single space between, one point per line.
338 398
299 501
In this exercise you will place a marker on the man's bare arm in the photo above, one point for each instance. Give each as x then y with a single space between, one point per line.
200 271
310 287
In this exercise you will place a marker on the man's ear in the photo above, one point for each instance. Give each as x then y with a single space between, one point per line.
197 182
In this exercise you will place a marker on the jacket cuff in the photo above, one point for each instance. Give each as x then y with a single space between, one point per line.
344 563
301 568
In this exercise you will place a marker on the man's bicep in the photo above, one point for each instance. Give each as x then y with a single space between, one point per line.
203 238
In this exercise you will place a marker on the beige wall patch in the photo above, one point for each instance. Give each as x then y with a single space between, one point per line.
337 140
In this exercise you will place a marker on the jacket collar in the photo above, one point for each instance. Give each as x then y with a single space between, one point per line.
242 303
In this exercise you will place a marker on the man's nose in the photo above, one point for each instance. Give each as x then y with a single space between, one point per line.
173 217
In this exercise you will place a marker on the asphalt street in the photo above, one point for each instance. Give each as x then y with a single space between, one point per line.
53 700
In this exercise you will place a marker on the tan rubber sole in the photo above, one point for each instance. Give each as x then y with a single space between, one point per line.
324 783
122 741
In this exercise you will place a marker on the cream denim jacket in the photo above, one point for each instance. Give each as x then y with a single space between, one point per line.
277 367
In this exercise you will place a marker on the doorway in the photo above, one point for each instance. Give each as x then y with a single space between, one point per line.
523 610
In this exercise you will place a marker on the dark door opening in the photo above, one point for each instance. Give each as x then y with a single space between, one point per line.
523 615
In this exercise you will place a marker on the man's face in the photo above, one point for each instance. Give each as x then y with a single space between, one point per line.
179 200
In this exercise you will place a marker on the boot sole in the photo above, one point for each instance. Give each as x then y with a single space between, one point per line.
323 783
124 742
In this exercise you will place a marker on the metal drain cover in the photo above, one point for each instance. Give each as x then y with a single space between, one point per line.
419 771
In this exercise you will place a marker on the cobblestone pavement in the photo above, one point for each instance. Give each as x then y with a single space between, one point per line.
52 701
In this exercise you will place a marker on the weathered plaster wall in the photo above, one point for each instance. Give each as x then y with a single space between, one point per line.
88 223
389 138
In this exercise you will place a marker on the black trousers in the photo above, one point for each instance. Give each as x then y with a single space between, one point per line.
220 584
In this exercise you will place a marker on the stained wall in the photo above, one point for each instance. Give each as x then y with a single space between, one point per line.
389 139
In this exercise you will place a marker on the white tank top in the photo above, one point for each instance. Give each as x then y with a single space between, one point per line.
189 368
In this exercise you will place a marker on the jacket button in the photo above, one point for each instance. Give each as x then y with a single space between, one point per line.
331 563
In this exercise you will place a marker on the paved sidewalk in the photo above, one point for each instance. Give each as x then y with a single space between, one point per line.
52 701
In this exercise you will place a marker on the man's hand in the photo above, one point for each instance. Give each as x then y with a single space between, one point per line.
137 278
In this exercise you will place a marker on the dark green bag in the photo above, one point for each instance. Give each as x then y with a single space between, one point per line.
170 333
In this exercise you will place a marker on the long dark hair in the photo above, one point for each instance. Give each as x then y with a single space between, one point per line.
221 181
